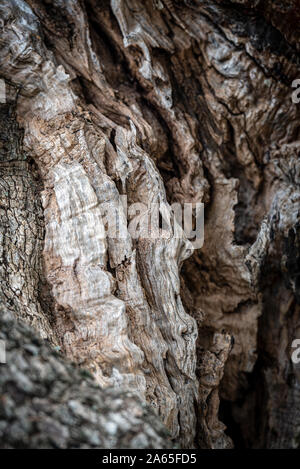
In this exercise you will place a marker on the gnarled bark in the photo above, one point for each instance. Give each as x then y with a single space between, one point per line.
47 402
161 101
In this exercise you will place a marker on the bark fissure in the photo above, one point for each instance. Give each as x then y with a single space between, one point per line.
162 102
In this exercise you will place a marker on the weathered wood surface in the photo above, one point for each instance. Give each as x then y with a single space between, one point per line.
162 101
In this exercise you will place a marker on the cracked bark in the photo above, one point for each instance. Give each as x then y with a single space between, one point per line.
47 402
161 101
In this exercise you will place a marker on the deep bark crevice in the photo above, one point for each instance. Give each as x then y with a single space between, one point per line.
164 102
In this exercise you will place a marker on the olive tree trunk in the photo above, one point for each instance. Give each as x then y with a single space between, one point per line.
163 102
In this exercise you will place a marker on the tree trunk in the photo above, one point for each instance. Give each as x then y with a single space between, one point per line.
163 102
49 403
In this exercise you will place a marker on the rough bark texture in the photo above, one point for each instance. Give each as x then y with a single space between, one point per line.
163 101
49 403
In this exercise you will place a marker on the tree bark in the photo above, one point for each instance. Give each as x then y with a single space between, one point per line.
162 101
47 402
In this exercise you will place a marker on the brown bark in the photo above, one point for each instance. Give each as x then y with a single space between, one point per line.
162 101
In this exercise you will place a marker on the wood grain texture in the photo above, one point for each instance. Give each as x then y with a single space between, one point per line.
161 101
